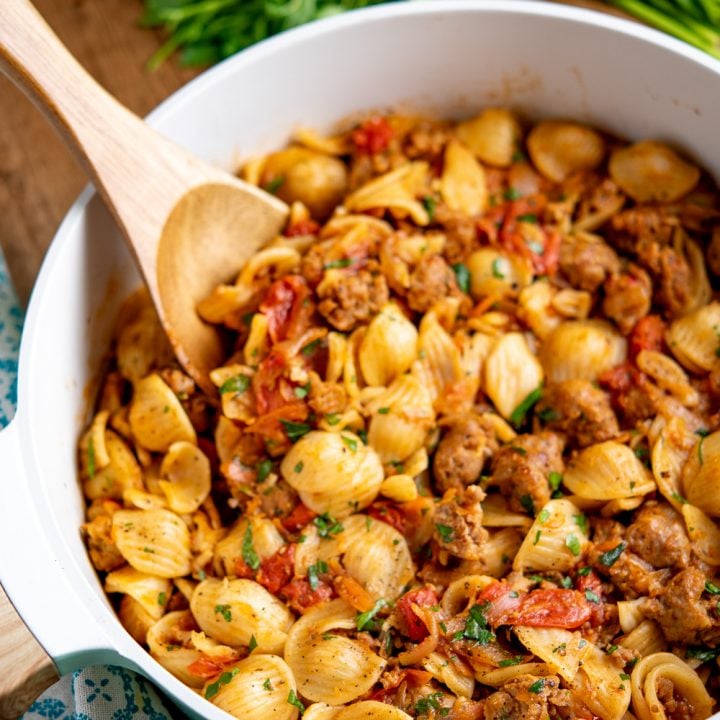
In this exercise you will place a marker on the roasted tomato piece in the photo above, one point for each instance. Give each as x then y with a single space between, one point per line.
276 571
300 596
647 334
424 597
287 306
373 136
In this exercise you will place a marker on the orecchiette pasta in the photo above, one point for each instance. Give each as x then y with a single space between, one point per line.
462 459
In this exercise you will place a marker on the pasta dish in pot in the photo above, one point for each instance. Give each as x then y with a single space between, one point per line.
464 458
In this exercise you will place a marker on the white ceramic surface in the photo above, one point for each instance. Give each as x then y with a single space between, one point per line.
450 58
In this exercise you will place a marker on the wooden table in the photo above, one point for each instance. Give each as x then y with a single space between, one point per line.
39 178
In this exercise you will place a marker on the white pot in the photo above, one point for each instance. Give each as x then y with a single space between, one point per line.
447 58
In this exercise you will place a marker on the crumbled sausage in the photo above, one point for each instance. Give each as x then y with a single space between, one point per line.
521 470
104 552
628 296
326 397
431 281
579 410
681 611
460 231
458 523
527 697
348 300
657 535
642 225
461 454
587 263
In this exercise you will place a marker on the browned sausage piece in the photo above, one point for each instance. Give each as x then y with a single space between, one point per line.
347 300
458 523
658 536
521 470
628 296
461 454
681 610
431 281
586 264
579 410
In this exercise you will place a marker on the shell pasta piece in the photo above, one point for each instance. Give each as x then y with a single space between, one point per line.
556 540
330 668
234 611
666 667
156 542
607 471
700 475
371 710
564 651
334 473
257 687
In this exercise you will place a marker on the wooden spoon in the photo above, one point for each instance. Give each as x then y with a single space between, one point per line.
190 225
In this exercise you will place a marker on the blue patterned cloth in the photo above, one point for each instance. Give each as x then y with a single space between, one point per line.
95 693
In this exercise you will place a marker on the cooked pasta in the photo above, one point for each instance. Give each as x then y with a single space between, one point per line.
463 458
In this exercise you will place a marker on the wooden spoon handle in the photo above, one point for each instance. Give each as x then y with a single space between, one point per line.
123 155
26 670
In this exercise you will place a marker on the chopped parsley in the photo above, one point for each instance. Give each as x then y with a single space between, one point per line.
703 654
91 458
462 275
310 348
341 263
554 480
299 466
264 468
332 418
609 558
519 450
162 599
582 522
476 626
537 537
302 391
548 414
295 430
512 194
544 515
364 621
294 700
528 218
327 525
591 596
537 686
517 417
383 410
349 442
573 544
224 610
425 705
445 532
700 450
527 502
712 588
429 204
267 685
272 186
584 571
237 385
252 644
314 571
213 688
251 558
511 661
496 271
610 649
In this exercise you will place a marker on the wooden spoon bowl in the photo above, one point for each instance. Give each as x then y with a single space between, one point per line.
190 225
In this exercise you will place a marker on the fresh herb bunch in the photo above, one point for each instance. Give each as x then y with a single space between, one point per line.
694 21
207 31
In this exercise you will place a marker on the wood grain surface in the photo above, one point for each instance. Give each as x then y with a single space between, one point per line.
39 178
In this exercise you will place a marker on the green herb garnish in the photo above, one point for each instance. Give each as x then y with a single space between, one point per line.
249 555
314 571
462 275
237 384
363 621
327 526
213 688
517 417
445 532
295 430
609 558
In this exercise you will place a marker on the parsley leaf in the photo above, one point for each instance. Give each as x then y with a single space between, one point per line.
609 558
445 532
249 555
537 686
237 384
224 610
293 699
295 430
213 688
462 275
327 525
91 458
573 544
314 571
364 621
264 468
517 417
476 626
